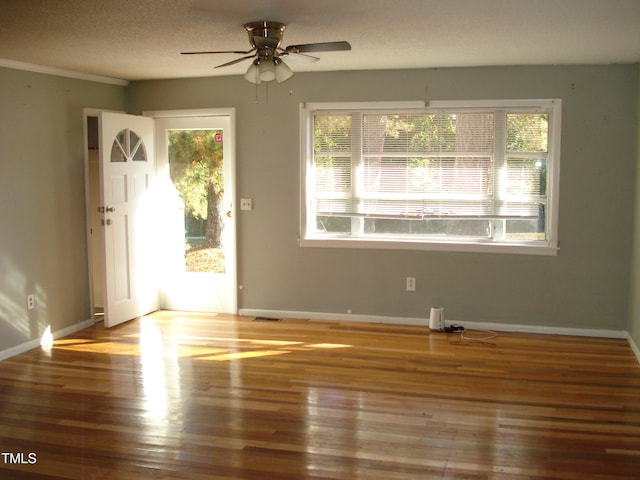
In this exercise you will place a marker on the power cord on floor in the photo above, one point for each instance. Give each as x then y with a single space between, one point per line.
490 334
464 334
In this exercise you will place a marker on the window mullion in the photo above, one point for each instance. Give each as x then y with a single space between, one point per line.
357 173
498 226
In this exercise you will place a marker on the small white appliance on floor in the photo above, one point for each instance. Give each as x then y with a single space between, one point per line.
436 320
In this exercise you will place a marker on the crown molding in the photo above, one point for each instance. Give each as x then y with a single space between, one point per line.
30 67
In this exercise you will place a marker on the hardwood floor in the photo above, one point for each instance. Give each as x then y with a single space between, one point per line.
189 396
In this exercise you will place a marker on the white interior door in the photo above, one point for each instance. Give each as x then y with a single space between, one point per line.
127 171
186 284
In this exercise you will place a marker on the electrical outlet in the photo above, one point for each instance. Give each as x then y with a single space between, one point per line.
411 284
246 204
31 302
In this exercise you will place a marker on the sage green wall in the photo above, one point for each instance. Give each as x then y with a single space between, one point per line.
42 217
585 286
634 316
42 221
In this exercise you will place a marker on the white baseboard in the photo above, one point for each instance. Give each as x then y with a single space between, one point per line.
544 329
34 343
502 327
634 347
338 317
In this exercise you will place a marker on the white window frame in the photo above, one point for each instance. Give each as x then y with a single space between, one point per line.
309 238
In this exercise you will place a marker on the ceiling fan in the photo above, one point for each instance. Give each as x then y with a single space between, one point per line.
267 54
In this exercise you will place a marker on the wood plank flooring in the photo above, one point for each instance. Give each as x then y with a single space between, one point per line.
192 396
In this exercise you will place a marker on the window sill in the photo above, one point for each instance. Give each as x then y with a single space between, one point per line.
462 247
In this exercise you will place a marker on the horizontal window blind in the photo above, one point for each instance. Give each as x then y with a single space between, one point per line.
440 164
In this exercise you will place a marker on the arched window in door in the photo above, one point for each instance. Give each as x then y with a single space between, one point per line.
127 147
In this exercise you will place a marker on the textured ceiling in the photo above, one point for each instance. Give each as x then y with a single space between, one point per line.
142 39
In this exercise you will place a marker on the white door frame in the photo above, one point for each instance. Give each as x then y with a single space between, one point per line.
231 250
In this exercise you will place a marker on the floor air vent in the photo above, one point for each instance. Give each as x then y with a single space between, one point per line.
265 319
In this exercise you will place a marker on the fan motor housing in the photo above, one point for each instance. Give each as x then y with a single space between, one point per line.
265 34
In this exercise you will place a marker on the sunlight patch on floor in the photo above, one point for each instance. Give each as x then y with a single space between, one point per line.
243 355
252 348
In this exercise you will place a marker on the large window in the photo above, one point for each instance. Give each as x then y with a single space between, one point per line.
466 176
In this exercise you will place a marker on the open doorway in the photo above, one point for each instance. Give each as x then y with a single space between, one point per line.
196 170
92 193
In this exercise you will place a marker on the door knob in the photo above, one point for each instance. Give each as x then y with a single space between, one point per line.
111 209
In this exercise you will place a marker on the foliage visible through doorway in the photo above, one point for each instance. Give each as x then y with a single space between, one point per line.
196 169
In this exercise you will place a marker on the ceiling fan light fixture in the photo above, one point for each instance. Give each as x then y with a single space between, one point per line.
267 69
253 73
283 72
